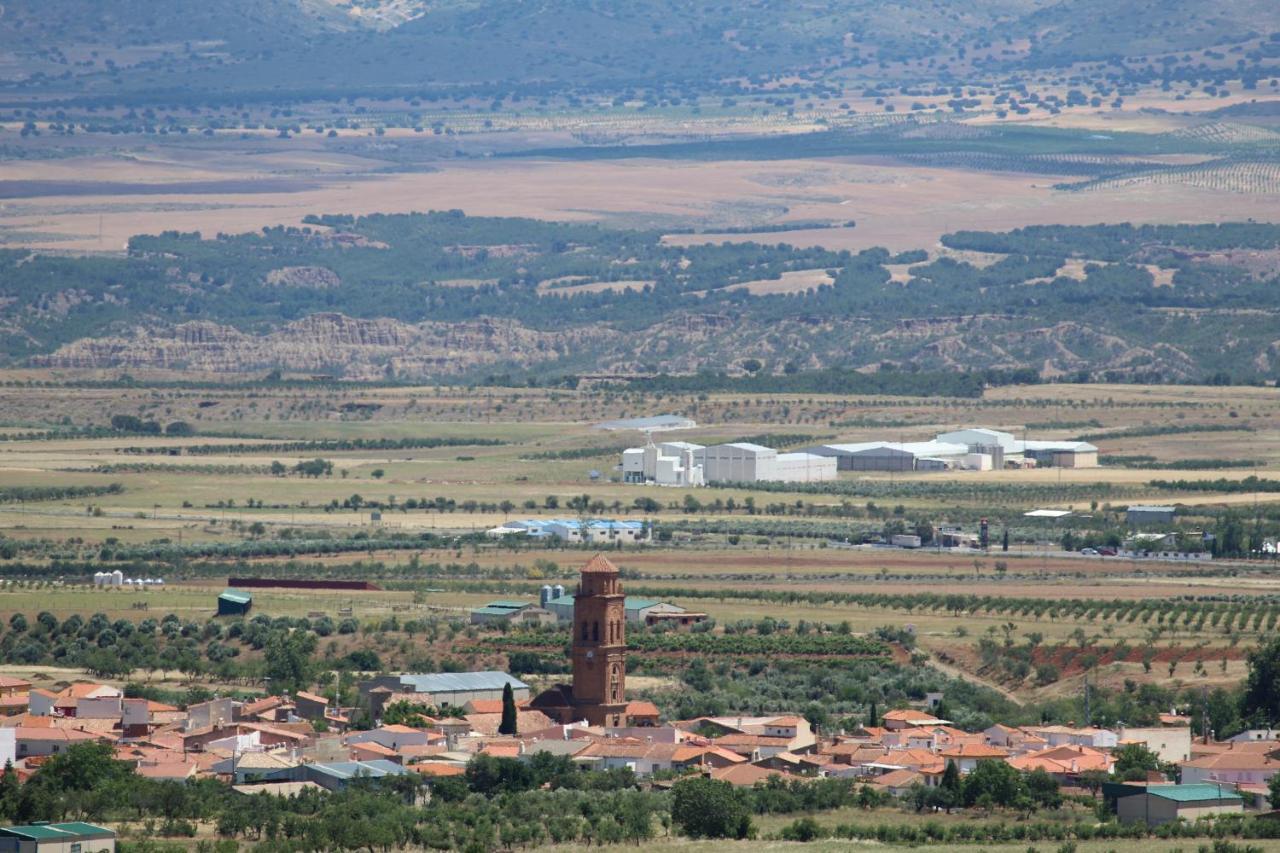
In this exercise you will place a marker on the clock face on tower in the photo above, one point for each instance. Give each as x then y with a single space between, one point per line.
591 655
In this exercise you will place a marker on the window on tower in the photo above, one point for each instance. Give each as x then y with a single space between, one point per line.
584 631
595 632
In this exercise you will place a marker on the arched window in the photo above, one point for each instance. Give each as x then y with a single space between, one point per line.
584 630
595 631
614 683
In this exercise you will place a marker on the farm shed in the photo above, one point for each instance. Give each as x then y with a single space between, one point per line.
1061 454
1160 804
233 602
1139 516
72 837
636 609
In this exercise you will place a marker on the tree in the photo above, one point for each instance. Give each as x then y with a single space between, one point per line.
1273 788
993 782
872 716
288 659
1260 702
1133 761
1043 789
710 808
508 724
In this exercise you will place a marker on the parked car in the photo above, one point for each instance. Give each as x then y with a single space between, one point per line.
1107 552
1089 552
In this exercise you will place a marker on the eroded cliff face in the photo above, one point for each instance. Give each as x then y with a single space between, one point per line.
331 343
355 349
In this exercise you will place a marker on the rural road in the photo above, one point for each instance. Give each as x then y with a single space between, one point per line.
957 672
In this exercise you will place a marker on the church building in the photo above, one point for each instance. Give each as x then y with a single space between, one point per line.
598 693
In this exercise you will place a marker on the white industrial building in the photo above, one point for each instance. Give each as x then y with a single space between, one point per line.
743 462
670 463
682 463
975 449
894 456
1060 454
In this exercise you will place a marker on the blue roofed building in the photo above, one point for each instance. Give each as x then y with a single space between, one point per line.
572 531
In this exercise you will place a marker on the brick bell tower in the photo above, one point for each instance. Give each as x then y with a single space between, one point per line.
600 645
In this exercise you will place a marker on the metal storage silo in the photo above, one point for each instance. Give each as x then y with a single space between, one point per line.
544 595
557 591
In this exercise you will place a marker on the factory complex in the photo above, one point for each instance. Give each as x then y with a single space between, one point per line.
682 463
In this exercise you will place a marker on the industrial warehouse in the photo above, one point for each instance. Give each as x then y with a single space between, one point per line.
682 463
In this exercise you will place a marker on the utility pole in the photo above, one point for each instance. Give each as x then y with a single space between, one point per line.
1088 718
1204 714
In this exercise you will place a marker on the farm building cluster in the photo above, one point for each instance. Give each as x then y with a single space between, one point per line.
683 463
572 531
555 605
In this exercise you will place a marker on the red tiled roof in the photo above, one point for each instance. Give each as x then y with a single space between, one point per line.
1235 760
896 779
599 563
744 775
439 768
974 750
639 708
909 715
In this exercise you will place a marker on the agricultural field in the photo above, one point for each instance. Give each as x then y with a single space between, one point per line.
236 493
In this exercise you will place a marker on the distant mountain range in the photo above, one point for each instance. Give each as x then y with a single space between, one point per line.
99 47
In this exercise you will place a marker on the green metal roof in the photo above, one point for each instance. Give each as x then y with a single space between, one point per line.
56 831
630 603
494 611
84 828
237 596
1193 793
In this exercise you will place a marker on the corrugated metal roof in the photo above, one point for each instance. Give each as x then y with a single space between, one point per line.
237 596
1193 793
630 602
52 831
351 769
457 682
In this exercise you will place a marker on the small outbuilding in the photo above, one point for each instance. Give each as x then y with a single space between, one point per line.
75 837
1159 804
234 602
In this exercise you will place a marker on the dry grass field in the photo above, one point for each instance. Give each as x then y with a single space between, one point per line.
213 498
236 183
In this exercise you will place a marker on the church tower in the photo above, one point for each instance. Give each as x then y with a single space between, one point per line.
600 645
